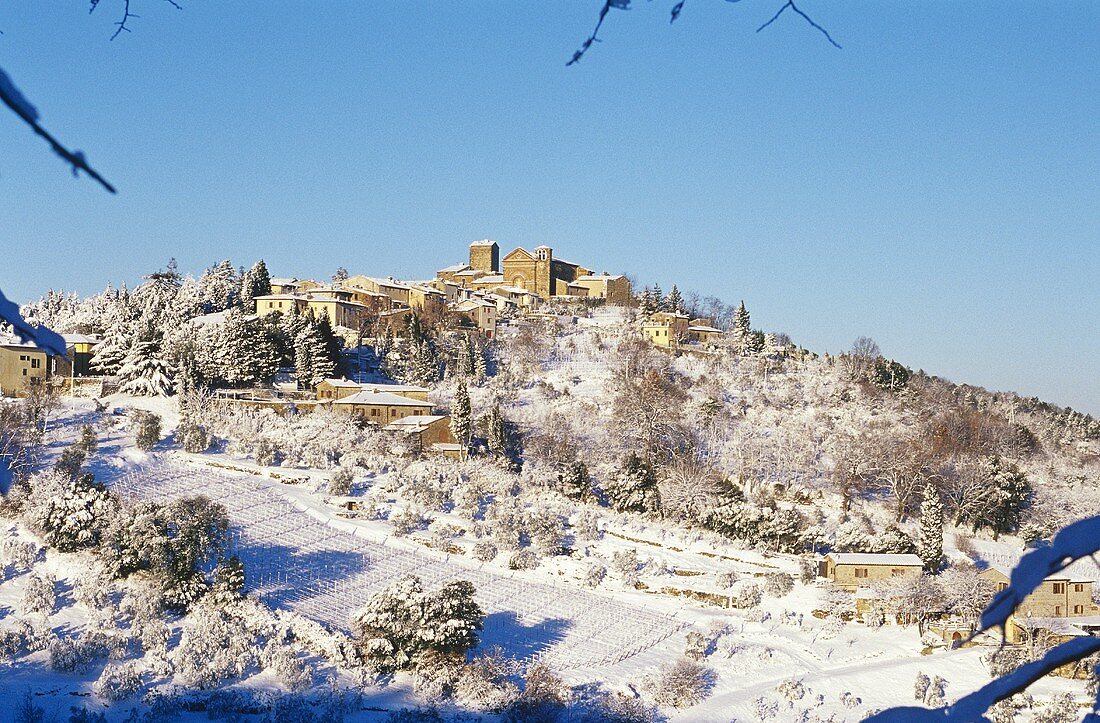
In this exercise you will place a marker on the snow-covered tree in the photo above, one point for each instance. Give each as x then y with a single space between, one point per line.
112 351
254 282
683 684
71 513
146 428
144 372
461 421
576 484
742 329
930 533
632 487
675 301
402 624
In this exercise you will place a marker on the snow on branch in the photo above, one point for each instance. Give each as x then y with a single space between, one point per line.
973 707
13 99
1080 539
42 337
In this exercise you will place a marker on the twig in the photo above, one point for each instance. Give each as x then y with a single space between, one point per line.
126 15
74 158
790 4
607 5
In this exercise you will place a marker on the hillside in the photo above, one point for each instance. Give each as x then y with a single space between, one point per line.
644 523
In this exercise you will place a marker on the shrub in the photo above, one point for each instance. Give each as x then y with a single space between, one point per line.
146 429
747 596
525 559
726 579
485 551
807 571
39 595
339 485
192 437
266 453
409 521
594 575
778 584
118 682
87 442
683 684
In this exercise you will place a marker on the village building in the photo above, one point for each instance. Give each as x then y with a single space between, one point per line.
614 289
333 389
536 272
284 286
431 433
334 303
382 407
80 349
703 331
854 570
1062 606
21 366
480 314
666 329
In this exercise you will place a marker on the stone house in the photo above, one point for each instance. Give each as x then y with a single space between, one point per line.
666 329
382 407
703 331
854 570
21 366
1062 606
480 313
431 433
615 289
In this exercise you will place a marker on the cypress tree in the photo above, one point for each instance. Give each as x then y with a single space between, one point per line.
460 415
930 534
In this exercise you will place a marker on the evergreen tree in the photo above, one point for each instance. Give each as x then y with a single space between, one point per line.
742 330
659 298
219 287
1010 495
144 372
496 434
675 301
254 282
460 415
930 533
647 303
575 482
311 362
633 487
111 352
480 364
340 275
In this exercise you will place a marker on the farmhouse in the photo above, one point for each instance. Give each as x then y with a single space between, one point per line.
430 433
381 407
21 366
854 570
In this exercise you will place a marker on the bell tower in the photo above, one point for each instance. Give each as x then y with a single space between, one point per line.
485 256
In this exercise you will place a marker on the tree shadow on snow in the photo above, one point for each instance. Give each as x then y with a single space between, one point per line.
521 640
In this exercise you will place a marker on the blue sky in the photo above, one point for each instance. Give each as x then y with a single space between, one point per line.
934 185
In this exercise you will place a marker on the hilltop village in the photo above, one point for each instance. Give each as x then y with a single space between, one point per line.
518 490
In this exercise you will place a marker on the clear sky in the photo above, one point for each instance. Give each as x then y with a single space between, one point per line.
934 185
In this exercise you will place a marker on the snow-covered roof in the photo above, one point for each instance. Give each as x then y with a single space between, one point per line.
342 383
470 304
483 242
415 423
705 328
1058 626
874 558
15 342
599 277
284 282
79 339
454 269
492 279
371 386
280 296
1064 576
392 283
471 272
374 397
515 290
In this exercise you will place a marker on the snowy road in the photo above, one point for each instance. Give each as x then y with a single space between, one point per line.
320 568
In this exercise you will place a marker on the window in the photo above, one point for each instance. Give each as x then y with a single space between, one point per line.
861 572
1059 588
1057 609
36 363
1002 586
374 412
895 571
1078 587
24 371
1078 609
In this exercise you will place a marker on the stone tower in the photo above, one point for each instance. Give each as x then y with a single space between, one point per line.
544 276
485 256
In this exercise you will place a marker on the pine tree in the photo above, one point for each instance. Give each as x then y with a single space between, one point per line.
341 274
254 282
219 287
647 303
575 481
742 329
675 301
144 372
1011 493
658 298
111 352
460 415
633 488
311 362
930 534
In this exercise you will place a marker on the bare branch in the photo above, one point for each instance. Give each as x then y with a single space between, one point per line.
607 5
790 4
11 98
126 15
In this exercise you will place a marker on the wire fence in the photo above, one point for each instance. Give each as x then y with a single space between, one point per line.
325 571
